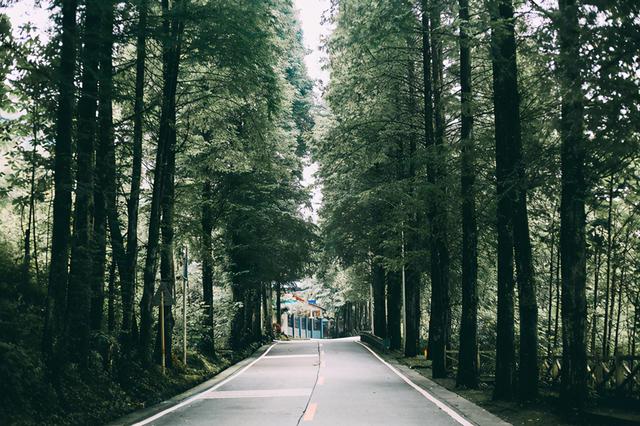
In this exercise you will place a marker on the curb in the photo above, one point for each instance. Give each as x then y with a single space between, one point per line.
144 413
467 409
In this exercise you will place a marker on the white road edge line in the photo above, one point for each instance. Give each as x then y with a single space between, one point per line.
292 356
197 396
444 407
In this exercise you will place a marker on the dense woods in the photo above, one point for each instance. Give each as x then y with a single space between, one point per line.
479 163
482 157
154 155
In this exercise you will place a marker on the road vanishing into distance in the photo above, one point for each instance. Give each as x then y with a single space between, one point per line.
318 382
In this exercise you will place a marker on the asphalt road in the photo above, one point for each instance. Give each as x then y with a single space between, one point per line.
326 382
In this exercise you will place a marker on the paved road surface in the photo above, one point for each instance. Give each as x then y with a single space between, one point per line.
327 382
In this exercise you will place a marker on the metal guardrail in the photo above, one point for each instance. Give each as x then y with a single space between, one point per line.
375 341
618 374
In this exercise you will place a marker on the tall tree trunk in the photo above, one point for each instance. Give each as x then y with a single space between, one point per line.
468 354
238 325
266 311
31 220
379 306
32 204
167 263
616 349
512 175
594 316
439 320
103 184
171 54
556 322
608 285
394 308
506 128
207 340
111 301
552 231
622 263
411 300
572 228
636 323
82 249
63 184
279 302
527 300
129 266
611 308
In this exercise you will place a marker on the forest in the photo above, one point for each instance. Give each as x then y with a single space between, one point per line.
480 171
478 163
147 143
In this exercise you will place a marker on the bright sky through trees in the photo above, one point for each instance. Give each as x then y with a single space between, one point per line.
310 14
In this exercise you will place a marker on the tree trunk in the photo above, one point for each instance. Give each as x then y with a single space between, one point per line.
411 302
468 353
412 289
379 308
31 221
394 309
172 29
616 350
82 248
572 229
636 323
556 322
111 303
104 176
167 263
278 303
551 276
608 285
266 312
128 272
439 320
506 130
594 317
611 308
623 264
63 184
238 324
207 340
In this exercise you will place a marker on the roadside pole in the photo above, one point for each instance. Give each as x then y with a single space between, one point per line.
162 297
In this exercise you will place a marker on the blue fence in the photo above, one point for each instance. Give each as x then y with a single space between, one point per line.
307 328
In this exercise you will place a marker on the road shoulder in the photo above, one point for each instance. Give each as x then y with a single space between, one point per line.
467 409
145 413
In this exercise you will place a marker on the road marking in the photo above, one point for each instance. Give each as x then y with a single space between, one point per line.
199 395
444 407
321 380
310 412
263 393
292 356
